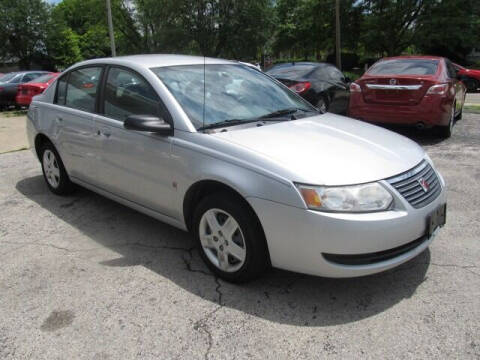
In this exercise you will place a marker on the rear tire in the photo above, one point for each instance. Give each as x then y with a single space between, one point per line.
322 104
54 171
446 131
230 238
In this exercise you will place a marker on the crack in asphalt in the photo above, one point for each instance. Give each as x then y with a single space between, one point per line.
202 323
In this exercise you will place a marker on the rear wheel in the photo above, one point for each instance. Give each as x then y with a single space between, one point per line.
322 104
446 131
53 170
230 238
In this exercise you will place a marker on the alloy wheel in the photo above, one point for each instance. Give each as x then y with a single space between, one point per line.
222 240
51 168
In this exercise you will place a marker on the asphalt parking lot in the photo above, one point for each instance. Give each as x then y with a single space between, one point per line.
82 277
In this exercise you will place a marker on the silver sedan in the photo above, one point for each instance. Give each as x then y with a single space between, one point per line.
256 174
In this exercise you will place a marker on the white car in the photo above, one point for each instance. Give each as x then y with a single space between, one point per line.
259 176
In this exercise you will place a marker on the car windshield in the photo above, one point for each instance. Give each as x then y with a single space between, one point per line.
43 79
232 93
7 77
291 71
404 67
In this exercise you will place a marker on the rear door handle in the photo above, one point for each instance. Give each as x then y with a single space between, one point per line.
59 119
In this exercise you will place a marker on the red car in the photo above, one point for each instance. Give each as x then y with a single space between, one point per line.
423 91
27 91
470 77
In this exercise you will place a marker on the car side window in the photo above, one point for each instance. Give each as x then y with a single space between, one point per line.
17 79
61 91
334 74
28 77
81 90
451 70
127 93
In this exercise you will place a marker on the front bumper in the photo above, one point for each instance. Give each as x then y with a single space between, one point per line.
298 238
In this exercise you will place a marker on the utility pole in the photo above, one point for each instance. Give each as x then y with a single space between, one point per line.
337 35
110 28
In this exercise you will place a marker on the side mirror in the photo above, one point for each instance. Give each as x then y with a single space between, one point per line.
149 123
348 80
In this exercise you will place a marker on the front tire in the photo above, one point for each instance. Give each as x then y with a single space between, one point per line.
230 238
53 170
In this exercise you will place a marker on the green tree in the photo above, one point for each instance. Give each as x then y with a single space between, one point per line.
451 28
78 30
22 30
306 28
390 26
227 28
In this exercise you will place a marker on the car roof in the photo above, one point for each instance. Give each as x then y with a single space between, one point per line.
157 60
302 63
413 57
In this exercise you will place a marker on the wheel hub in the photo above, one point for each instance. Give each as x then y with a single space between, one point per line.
222 240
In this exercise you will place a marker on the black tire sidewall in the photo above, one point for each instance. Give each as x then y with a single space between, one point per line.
257 260
65 186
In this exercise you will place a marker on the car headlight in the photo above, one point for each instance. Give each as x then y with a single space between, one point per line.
353 198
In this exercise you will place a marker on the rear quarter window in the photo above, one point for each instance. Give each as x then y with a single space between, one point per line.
291 72
404 67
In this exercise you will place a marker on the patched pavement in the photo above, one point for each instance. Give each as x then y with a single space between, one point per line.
82 277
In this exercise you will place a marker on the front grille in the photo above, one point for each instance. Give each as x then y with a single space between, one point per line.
409 185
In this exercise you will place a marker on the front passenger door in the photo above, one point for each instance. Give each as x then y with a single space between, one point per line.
132 164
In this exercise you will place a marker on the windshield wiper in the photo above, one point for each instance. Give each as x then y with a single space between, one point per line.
284 112
232 122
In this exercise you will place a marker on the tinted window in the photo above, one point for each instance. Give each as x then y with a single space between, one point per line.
17 79
127 93
61 91
44 78
452 73
230 92
404 67
331 73
82 88
30 77
292 71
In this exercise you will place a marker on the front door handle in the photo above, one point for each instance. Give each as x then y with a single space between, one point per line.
59 119
100 133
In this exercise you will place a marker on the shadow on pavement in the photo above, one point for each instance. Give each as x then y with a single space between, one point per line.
279 296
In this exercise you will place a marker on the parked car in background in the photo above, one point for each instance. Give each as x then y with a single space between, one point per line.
470 77
9 85
257 174
423 91
27 91
322 84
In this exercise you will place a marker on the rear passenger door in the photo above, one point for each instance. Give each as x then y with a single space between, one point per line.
134 165
73 116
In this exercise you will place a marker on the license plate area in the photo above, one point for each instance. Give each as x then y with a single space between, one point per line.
437 218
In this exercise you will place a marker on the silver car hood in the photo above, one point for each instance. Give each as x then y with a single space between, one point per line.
329 149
